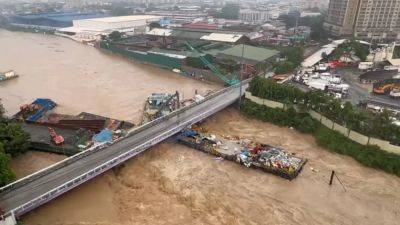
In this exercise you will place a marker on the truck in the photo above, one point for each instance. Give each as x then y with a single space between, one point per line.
395 93
318 84
386 86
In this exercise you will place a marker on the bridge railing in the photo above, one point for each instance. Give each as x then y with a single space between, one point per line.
74 158
33 203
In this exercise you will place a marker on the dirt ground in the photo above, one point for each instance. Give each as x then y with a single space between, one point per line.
173 184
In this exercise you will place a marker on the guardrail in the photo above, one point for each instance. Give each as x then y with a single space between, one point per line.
113 162
91 150
55 192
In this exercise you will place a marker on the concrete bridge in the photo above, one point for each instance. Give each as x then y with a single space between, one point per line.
41 187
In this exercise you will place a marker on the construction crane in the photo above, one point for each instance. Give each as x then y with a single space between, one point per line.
230 81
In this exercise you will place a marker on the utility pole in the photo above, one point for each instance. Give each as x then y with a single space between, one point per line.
241 77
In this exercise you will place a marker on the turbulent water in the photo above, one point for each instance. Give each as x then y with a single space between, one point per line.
173 184
81 78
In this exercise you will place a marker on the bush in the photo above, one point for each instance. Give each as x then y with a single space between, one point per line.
6 174
362 121
371 156
13 141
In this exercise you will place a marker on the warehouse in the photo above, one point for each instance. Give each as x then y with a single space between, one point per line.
92 29
54 20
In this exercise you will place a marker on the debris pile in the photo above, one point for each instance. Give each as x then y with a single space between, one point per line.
66 134
246 152
159 105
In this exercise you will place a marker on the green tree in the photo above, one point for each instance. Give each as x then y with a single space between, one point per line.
13 141
154 25
230 11
6 174
115 35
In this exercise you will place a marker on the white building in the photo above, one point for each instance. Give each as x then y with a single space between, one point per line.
249 15
92 29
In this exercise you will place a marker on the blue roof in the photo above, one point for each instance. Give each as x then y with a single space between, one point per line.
54 19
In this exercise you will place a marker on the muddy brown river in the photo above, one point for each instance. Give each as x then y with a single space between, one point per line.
171 183
82 78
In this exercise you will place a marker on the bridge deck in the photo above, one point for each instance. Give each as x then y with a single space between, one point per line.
16 197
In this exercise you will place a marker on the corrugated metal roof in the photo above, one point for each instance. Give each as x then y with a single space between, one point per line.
188 34
250 52
118 19
230 38
160 32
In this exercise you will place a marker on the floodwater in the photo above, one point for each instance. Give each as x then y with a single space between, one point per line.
171 183
82 78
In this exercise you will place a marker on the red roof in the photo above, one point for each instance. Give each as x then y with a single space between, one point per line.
201 25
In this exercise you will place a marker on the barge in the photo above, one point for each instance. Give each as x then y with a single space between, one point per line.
245 152
8 75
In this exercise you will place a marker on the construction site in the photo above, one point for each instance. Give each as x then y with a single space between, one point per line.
217 57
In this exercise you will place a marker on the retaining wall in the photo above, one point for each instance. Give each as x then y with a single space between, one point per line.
353 135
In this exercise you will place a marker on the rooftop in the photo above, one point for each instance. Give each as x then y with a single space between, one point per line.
378 75
252 53
160 32
231 38
123 18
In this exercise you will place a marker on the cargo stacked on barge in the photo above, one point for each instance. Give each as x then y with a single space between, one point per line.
246 152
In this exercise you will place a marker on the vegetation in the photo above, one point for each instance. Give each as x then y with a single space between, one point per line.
351 47
293 58
154 25
230 11
362 121
371 156
317 29
115 35
13 141
315 23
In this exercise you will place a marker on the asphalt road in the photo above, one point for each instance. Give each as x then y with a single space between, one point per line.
358 93
21 195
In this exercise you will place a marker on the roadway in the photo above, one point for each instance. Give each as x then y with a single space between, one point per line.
10 200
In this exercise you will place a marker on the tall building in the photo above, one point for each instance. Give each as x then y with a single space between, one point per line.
364 19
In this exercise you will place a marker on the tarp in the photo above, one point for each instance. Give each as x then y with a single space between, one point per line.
104 136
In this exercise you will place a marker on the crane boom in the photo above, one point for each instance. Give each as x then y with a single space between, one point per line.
213 68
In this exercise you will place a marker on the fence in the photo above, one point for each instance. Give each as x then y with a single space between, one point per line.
353 135
145 57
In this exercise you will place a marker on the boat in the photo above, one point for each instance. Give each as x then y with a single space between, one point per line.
8 75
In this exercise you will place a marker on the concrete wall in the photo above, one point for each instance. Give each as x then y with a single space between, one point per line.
327 122
352 135
359 138
341 129
268 103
